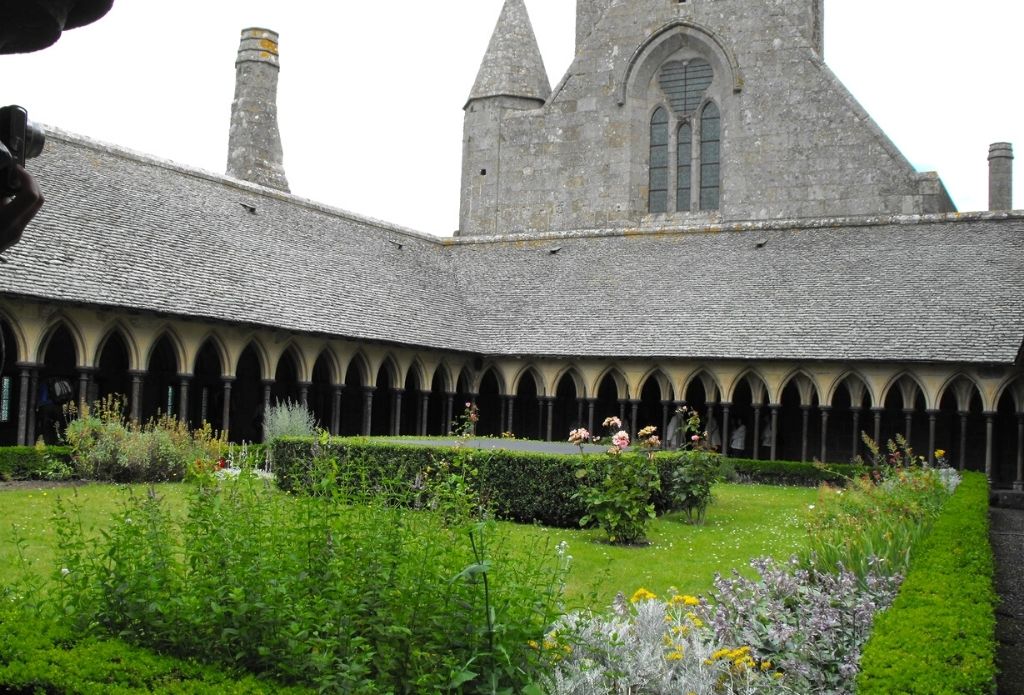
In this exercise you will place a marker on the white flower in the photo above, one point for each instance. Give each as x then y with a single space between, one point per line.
64 571
810 506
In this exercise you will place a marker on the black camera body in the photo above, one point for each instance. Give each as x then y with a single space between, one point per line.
20 140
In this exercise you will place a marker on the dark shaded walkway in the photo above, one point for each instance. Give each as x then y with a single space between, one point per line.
1007 534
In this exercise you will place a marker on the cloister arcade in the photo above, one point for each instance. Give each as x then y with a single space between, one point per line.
226 375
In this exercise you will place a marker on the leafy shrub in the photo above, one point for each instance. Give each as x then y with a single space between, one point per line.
105 446
288 419
874 526
343 589
688 487
810 624
38 654
35 463
650 647
618 492
939 635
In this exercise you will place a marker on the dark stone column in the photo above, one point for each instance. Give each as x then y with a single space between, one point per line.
756 444
775 430
83 388
186 379
503 417
933 416
136 407
665 417
855 444
908 418
540 417
591 405
511 414
424 409
304 393
622 410
267 385
33 402
551 417
579 411
824 432
368 410
23 389
336 409
877 412
634 413
990 421
449 413
396 412
1018 484
226 415
726 408
963 439
806 417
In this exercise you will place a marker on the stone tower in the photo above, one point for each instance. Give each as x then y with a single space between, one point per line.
254 143
511 78
676 113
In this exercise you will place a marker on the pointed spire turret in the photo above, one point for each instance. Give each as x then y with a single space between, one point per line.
512 65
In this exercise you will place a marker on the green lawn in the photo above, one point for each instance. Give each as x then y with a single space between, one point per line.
744 521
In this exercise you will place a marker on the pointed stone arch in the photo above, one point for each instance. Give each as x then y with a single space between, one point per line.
710 382
74 331
573 372
806 385
163 388
535 373
855 383
616 373
442 377
961 383
903 381
174 340
218 346
665 41
261 353
20 351
128 336
851 401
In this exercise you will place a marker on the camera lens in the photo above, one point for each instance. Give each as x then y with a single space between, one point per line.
35 138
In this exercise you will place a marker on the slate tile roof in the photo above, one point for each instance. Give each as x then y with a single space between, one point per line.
123 230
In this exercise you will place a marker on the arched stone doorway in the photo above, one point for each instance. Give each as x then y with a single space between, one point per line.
567 409
491 406
849 418
160 387
652 409
352 399
208 389
412 404
248 398
609 403
526 414
798 435
438 405
322 399
47 388
383 419
960 426
112 379
286 388
11 389
1007 426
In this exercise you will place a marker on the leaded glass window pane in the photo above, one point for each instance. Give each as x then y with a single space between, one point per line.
658 185
684 167
710 157
5 399
684 83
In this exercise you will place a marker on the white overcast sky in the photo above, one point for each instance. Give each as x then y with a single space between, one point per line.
371 93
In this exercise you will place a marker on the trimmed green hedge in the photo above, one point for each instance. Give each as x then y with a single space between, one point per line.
29 462
939 635
794 472
521 486
37 656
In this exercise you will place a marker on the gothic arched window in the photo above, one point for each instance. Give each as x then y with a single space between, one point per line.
710 157
658 185
692 125
684 166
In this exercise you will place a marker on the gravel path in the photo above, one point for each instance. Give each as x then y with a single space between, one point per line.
1007 534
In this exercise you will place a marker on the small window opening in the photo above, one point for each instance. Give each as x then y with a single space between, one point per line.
483 172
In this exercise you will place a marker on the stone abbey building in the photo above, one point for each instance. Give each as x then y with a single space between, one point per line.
698 212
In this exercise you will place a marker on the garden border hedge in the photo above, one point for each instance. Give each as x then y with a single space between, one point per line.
29 462
40 656
521 486
939 635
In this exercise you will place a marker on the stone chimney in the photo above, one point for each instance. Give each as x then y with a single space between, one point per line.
1000 176
254 142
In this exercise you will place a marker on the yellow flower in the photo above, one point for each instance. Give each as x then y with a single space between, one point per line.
675 656
765 665
642 594
533 644
940 453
